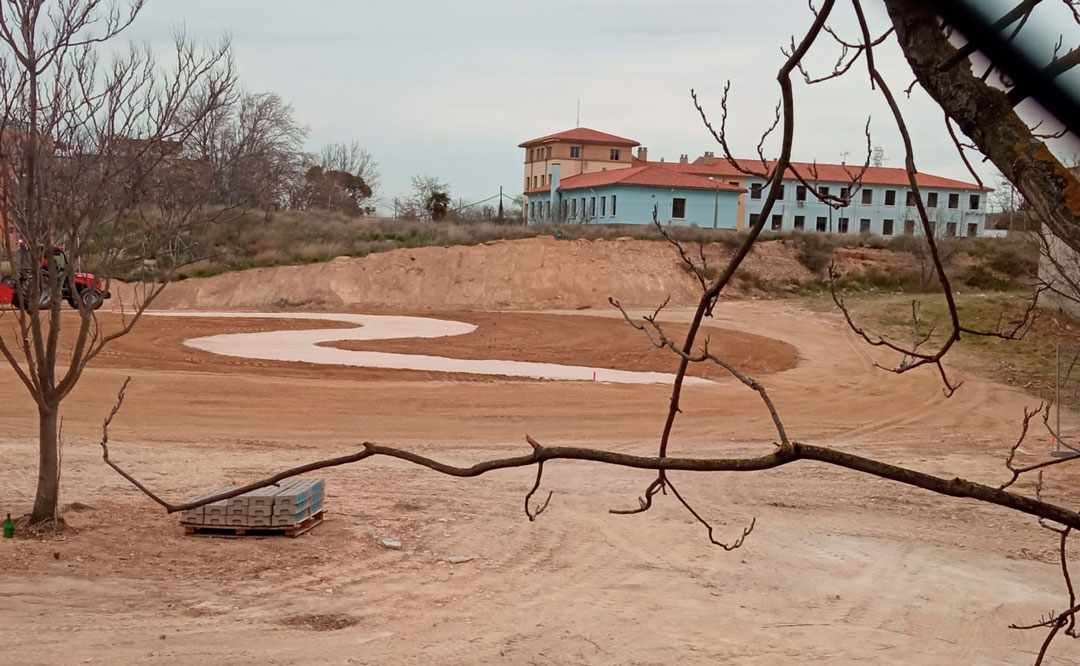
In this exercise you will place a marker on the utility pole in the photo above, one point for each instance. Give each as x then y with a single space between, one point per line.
500 204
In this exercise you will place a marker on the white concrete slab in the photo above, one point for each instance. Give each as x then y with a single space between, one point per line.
302 346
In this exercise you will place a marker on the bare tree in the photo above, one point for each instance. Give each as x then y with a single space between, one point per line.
351 158
984 113
89 155
340 177
430 198
253 144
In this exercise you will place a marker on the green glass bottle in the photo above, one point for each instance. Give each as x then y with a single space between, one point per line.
9 528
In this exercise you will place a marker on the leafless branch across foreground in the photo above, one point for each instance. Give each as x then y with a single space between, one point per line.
943 70
782 454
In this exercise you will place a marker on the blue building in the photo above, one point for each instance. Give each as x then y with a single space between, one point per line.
633 195
602 182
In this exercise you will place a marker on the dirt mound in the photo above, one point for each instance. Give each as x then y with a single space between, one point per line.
864 260
540 273
534 273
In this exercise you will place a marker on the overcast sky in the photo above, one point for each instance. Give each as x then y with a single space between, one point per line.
451 88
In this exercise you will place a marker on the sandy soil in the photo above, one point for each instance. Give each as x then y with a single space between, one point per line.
840 569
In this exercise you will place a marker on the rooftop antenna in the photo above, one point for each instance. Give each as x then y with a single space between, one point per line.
578 113
878 156
843 156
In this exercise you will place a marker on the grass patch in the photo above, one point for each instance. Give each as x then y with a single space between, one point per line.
1027 364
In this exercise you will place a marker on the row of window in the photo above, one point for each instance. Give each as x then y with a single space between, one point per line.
544 153
974 200
843 225
572 207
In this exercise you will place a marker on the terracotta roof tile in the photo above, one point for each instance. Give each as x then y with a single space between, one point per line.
646 175
582 135
825 173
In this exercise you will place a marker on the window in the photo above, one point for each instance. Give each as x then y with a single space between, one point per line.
844 192
526 182
909 226
800 193
780 193
886 226
573 208
532 208
529 157
973 229
821 222
867 196
583 208
800 222
592 206
777 222
548 152
890 197
973 203
842 226
603 206
864 225
536 180
565 210
910 199
753 219
575 152
954 200
614 154
678 208
542 177
931 200
613 204
547 210
823 192
950 229
755 191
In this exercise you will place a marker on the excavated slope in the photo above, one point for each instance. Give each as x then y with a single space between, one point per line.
534 273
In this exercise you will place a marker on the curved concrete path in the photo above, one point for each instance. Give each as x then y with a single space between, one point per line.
303 346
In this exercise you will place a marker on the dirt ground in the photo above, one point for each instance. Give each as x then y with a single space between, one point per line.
839 569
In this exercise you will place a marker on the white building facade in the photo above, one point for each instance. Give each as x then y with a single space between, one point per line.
882 209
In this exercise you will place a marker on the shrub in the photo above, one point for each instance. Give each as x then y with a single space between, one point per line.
815 251
978 276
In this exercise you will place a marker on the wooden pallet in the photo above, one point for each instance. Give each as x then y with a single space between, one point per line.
266 531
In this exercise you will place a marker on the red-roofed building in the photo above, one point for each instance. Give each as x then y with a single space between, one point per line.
878 200
635 195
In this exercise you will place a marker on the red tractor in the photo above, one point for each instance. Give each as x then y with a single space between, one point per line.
89 290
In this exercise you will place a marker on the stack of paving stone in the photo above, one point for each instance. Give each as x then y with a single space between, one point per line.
287 504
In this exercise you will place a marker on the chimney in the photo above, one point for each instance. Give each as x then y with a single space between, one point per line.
643 153
683 159
555 169
709 159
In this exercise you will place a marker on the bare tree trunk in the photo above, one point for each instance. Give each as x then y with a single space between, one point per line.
48 486
985 114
